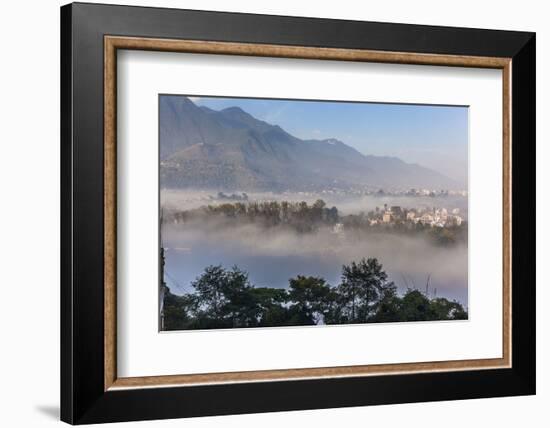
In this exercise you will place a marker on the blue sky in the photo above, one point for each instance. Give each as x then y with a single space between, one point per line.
432 136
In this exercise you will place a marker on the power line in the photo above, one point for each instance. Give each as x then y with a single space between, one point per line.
178 285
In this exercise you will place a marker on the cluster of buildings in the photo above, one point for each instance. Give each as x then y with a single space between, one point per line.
366 191
434 217
434 193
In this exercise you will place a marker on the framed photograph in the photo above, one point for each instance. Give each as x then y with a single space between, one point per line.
266 213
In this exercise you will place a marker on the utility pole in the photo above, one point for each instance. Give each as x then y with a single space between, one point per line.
428 284
162 284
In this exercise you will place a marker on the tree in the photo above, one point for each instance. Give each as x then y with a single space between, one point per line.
317 211
222 297
389 306
178 311
311 299
240 307
415 306
271 306
332 215
210 288
447 310
443 236
362 286
225 298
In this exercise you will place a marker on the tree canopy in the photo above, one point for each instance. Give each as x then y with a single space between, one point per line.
303 218
225 298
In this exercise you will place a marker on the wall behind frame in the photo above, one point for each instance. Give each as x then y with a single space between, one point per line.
29 218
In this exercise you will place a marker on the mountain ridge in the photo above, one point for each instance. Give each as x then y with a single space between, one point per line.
230 149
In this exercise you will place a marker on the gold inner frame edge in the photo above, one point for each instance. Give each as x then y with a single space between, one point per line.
113 43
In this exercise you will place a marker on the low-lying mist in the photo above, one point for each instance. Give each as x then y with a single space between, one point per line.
346 203
273 255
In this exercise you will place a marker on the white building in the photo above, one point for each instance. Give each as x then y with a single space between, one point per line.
457 220
338 228
426 219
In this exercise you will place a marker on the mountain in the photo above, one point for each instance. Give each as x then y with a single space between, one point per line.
232 150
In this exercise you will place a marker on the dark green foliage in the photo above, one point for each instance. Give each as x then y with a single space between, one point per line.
310 299
415 306
224 298
389 306
178 311
446 310
363 285
271 306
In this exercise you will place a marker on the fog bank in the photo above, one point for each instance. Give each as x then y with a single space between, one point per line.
272 256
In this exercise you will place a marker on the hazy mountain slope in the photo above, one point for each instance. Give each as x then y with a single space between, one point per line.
230 149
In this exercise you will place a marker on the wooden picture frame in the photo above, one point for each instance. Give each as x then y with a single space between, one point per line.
91 390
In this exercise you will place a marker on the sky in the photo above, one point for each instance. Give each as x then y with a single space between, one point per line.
432 136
